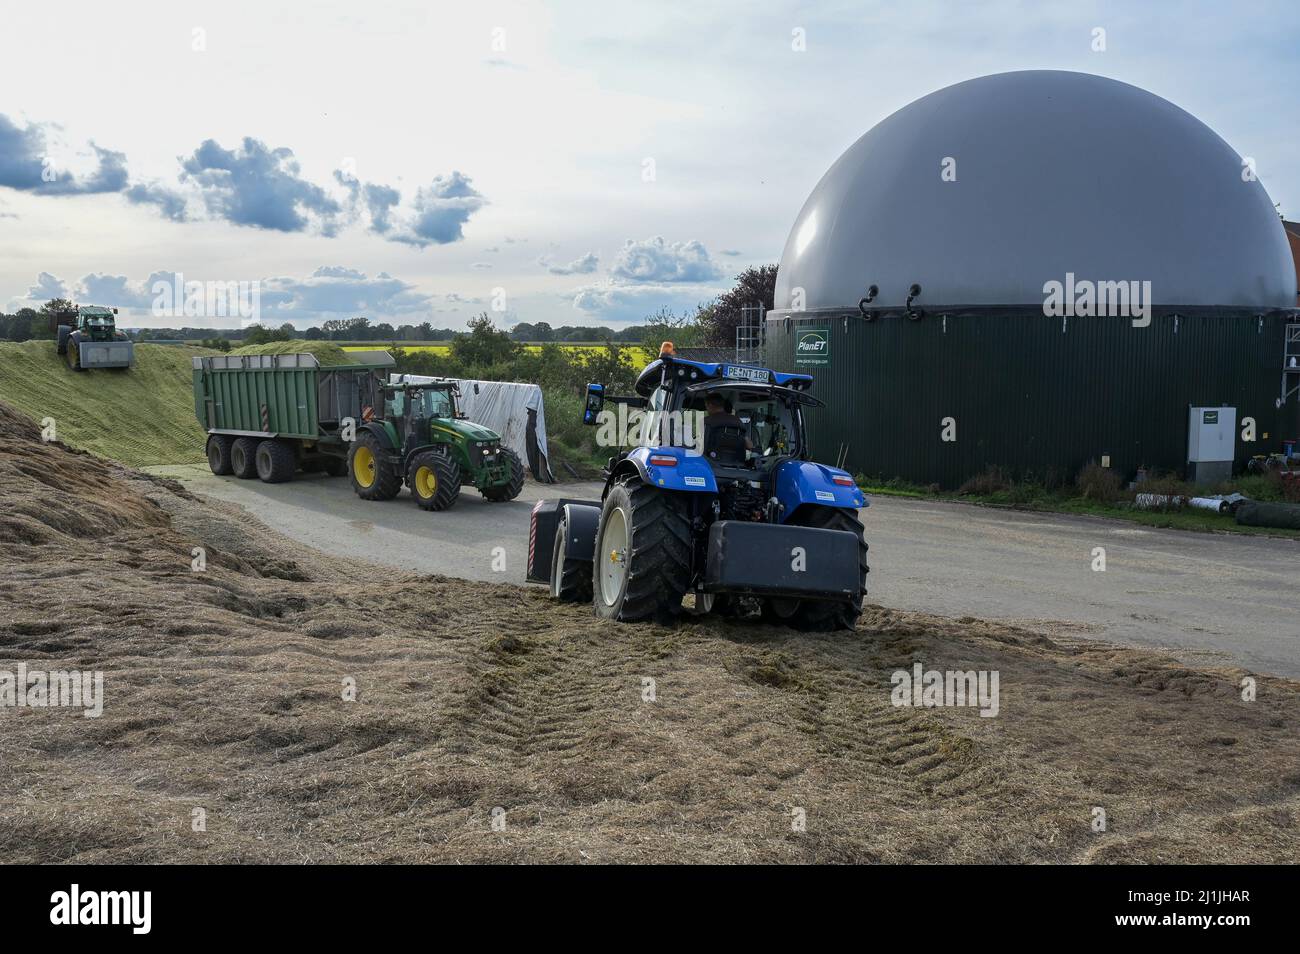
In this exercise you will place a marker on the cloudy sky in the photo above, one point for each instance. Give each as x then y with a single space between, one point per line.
584 163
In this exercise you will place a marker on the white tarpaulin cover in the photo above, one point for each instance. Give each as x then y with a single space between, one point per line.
514 411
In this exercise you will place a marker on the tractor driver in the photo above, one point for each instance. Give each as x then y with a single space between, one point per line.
725 435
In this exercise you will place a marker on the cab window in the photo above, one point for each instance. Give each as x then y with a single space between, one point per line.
437 404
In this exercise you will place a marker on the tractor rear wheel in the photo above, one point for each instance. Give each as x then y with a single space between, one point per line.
276 462
824 615
218 451
243 458
570 578
371 480
434 480
642 563
508 491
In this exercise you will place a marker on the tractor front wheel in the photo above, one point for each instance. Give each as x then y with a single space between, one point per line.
434 480
511 489
642 563
371 480
823 615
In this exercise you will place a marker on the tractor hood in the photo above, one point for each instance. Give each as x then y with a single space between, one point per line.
467 430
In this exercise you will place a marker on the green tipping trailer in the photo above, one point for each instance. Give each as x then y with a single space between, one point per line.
269 415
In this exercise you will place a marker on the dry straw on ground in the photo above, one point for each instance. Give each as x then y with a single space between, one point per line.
224 692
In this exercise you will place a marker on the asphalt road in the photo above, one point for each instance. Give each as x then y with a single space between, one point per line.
1207 598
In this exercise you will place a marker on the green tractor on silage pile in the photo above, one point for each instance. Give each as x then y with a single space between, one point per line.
420 440
87 337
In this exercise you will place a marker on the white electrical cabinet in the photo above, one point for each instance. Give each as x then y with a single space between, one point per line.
1211 443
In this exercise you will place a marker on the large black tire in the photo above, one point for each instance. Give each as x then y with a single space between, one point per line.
243 458
822 615
72 353
570 578
511 490
276 462
218 451
434 480
64 331
655 554
371 478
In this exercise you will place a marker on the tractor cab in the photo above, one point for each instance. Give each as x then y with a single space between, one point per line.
743 421
97 324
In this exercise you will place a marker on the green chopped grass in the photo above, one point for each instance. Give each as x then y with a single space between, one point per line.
142 416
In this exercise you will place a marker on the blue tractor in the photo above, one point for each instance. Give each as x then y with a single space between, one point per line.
717 499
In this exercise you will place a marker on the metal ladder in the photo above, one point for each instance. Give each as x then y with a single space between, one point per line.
751 334
1290 363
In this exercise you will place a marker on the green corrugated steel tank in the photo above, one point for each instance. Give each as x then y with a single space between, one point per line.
1032 271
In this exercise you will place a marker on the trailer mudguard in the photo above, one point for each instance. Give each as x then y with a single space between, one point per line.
688 471
800 482
772 559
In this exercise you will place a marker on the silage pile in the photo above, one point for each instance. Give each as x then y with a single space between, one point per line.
327 353
307 709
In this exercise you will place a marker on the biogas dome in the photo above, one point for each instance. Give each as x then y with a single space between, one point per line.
1035 270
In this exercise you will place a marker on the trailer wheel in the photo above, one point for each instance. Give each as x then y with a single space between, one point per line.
218 451
276 462
434 480
243 458
824 615
371 480
508 491
642 564
570 578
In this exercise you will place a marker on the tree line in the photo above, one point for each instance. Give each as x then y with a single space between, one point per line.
711 324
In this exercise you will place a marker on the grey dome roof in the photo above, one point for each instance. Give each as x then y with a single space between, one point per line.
1056 172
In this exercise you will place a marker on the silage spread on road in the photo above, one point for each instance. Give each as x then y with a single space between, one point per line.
224 692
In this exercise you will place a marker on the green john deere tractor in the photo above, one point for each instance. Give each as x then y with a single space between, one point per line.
422 441
87 337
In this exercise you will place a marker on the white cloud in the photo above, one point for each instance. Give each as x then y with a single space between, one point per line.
579 266
616 301
655 260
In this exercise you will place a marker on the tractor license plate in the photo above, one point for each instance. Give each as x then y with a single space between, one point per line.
738 373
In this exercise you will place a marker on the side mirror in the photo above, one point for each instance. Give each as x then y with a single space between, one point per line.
595 403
